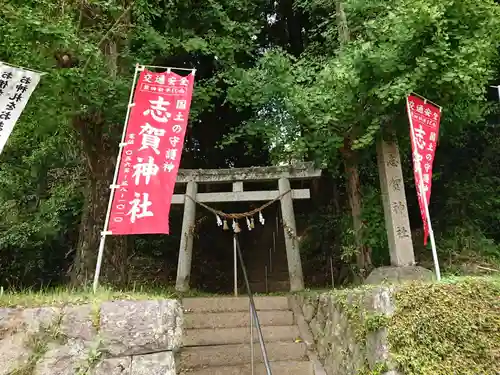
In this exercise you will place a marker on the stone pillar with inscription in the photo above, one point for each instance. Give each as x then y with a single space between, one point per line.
397 221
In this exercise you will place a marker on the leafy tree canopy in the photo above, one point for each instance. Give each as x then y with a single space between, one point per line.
444 50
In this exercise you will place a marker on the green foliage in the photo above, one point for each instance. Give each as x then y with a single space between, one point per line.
44 169
330 232
353 91
465 246
39 191
449 328
265 94
376 322
359 87
374 232
41 169
380 369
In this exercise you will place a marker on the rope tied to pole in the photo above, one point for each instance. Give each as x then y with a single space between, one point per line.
243 215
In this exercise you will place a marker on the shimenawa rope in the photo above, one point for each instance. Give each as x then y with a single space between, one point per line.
237 216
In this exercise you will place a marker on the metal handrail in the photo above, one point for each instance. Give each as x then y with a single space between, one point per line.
253 311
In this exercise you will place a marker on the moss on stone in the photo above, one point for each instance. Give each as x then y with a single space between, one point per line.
375 322
379 369
351 304
96 316
447 328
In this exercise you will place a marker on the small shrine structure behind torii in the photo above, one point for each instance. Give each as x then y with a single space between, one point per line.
237 176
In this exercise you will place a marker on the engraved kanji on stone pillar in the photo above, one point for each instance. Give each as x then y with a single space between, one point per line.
392 187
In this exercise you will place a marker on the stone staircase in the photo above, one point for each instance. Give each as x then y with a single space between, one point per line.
268 268
216 339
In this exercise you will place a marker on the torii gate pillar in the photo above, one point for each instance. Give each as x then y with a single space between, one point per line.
186 246
291 243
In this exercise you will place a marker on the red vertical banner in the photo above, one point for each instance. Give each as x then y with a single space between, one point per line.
424 132
151 154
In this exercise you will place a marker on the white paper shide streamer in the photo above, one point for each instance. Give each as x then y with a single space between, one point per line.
16 87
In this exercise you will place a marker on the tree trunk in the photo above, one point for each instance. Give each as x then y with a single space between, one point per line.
114 268
88 239
99 177
363 256
100 154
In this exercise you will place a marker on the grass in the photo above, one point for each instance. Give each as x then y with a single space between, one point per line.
61 297
38 347
66 296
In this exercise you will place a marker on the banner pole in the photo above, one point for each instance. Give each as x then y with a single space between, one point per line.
424 198
113 186
235 264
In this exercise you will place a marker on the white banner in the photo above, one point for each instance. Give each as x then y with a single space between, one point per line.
16 87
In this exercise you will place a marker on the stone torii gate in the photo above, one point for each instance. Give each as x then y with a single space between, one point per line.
237 176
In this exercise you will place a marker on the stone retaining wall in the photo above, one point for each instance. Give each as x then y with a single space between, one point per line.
126 338
348 329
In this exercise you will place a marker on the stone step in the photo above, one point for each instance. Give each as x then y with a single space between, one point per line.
237 319
239 354
272 286
259 263
278 276
277 268
226 336
278 368
232 304
260 266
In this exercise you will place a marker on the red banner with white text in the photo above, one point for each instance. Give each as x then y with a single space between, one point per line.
151 154
424 131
